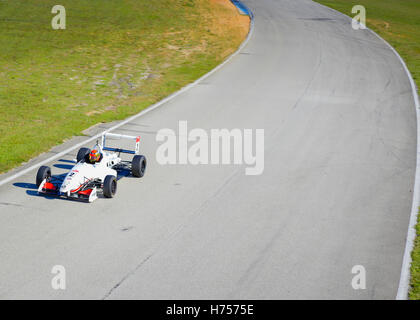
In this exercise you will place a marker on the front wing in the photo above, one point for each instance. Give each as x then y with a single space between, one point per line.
53 189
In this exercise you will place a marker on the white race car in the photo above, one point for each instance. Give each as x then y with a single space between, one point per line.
85 179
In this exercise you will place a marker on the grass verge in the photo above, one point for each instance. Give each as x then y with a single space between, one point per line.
414 293
398 22
114 59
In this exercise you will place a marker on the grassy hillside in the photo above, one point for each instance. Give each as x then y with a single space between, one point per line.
113 59
398 22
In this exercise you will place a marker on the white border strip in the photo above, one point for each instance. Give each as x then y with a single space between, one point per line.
142 113
404 284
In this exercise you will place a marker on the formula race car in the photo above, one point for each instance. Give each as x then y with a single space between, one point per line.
88 177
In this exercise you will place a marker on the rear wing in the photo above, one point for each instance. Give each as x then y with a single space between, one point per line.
121 136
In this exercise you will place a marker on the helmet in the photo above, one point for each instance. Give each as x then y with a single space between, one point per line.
94 156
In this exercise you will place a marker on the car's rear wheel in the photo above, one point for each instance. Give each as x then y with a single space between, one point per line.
110 186
82 153
43 173
138 166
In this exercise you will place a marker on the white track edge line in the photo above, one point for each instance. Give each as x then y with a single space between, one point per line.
138 115
404 283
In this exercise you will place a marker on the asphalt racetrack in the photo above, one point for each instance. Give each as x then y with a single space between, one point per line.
340 147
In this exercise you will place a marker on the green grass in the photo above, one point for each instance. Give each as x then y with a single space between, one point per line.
415 266
115 58
398 22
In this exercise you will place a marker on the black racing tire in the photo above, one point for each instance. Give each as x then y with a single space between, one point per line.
81 154
43 173
138 166
110 186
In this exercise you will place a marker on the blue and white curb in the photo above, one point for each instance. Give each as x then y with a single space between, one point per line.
243 9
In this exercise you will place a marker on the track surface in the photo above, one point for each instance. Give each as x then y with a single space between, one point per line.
340 146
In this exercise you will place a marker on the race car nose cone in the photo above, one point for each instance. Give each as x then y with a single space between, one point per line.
64 188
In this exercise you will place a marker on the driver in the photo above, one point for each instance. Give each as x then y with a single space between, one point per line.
95 156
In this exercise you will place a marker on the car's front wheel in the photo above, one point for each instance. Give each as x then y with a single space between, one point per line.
110 186
82 154
43 173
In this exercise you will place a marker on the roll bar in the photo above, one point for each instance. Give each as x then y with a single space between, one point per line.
121 136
